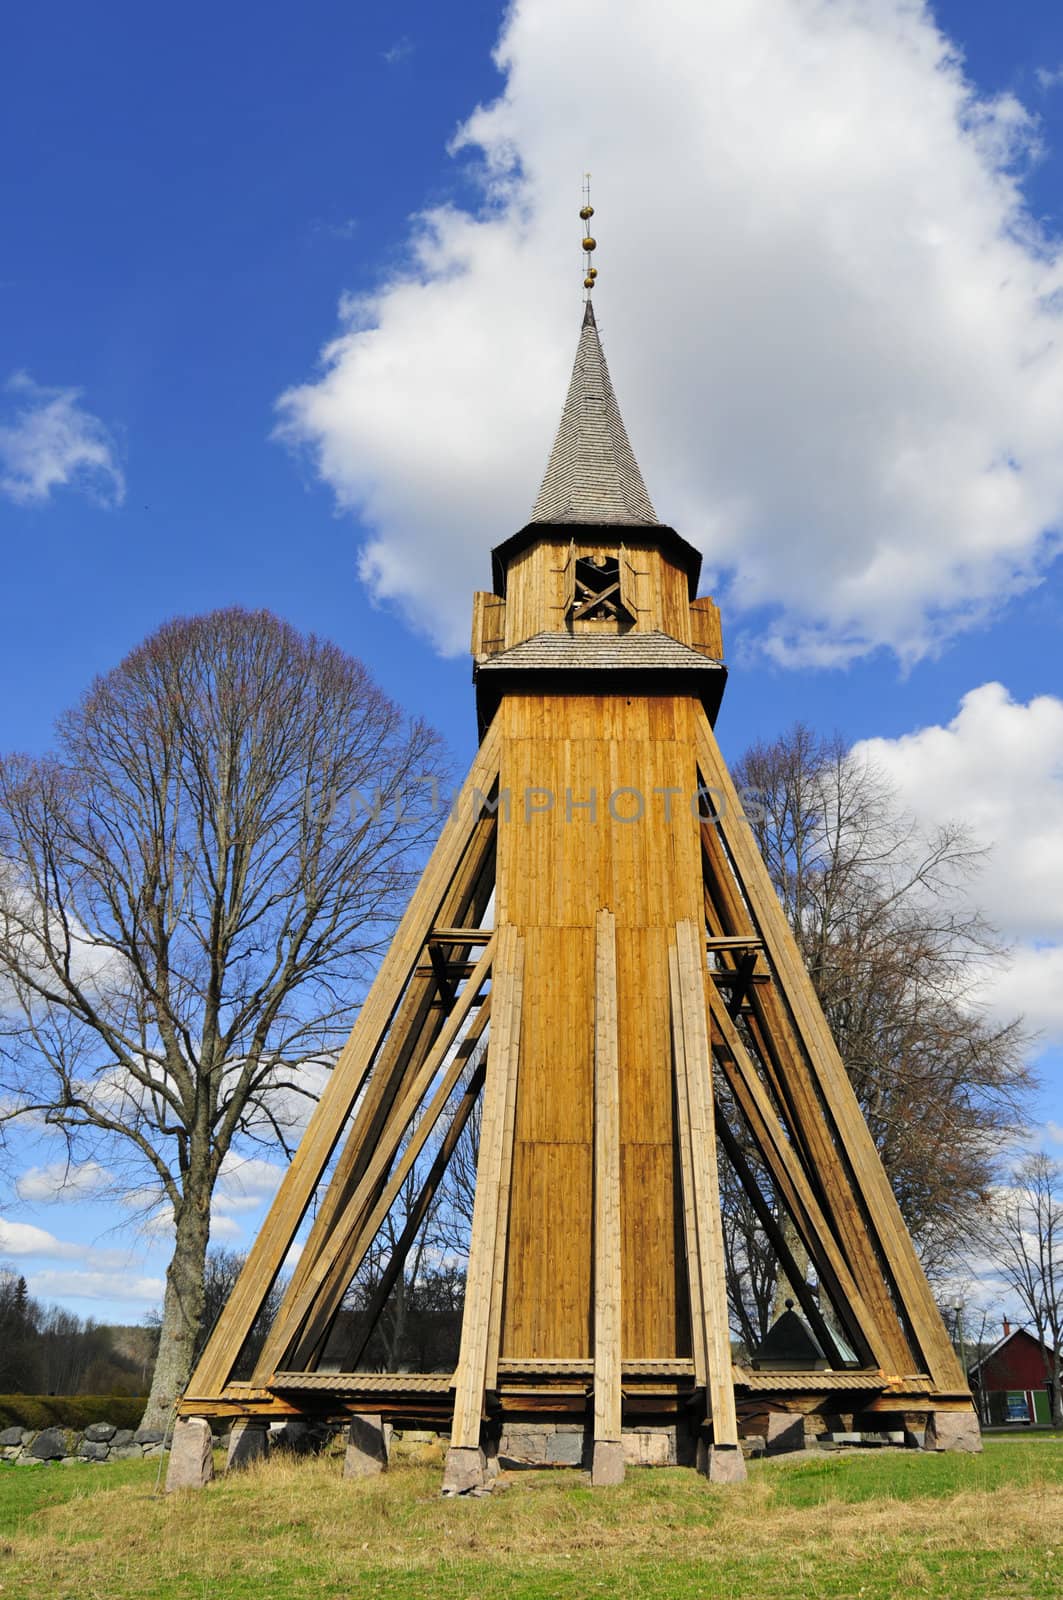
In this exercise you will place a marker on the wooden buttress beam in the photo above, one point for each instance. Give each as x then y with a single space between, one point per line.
797 1101
607 1237
777 1239
348 1078
688 1001
883 1216
390 1276
686 1171
801 1103
788 1174
415 1029
502 1060
305 1311
369 1206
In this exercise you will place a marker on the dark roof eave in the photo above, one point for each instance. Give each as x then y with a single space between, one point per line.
597 532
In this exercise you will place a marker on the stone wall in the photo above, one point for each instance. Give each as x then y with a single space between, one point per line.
101 1441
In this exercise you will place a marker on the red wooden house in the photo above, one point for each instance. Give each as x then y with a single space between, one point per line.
1011 1382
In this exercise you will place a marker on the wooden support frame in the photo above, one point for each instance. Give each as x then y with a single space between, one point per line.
880 1212
608 1463
481 1281
420 1016
688 1003
404 1243
348 1078
308 1308
777 1239
788 1174
842 1235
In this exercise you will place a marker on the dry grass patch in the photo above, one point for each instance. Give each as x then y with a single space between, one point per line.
874 1527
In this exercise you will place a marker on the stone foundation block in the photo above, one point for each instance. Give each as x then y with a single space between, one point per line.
464 1472
565 1449
191 1455
248 1442
649 1447
607 1467
367 1447
786 1432
724 1465
953 1430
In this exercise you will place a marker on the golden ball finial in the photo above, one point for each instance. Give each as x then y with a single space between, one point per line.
590 244
592 273
586 213
588 283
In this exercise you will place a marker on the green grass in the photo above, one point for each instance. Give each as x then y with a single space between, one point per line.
874 1526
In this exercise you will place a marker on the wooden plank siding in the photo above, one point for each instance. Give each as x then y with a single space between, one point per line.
539 578
556 868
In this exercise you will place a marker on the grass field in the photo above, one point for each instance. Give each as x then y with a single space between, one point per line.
875 1525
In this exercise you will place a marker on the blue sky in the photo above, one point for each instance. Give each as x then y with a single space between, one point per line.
188 198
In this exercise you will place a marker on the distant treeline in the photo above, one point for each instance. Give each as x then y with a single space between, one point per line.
46 1350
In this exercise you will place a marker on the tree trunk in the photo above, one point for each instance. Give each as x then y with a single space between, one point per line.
182 1311
784 1289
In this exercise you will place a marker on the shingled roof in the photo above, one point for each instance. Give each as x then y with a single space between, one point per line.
647 662
598 652
592 475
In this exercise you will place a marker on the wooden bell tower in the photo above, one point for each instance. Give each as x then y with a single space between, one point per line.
641 994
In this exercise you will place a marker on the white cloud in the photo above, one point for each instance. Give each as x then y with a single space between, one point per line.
222 1227
1049 79
832 324
998 767
112 1286
23 1239
62 1180
53 443
401 50
246 1183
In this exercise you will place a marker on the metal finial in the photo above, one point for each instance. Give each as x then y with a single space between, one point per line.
590 243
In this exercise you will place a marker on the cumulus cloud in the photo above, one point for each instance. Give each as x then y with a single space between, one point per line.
246 1183
998 766
23 1239
62 1180
52 442
832 323
52 1284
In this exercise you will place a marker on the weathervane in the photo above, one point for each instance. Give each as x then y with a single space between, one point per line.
589 242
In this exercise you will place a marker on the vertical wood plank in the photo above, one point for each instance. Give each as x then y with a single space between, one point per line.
720 1388
686 1169
502 1055
607 1241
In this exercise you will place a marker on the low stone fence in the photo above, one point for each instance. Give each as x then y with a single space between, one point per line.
101 1441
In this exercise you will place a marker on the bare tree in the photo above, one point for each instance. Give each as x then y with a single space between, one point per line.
1024 1238
193 888
883 917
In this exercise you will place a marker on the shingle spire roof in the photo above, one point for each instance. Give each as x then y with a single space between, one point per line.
592 474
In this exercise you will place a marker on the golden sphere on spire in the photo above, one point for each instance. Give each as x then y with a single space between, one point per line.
589 243
586 212
592 273
588 283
